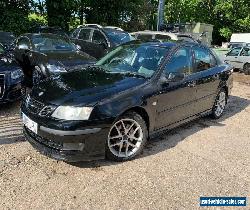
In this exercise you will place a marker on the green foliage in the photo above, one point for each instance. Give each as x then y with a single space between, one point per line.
226 32
14 15
227 16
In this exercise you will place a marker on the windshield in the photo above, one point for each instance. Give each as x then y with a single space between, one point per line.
118 37
134 59
52 43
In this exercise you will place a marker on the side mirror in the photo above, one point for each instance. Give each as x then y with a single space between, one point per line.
23 47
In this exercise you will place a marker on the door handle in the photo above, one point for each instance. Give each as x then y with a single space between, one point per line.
191 84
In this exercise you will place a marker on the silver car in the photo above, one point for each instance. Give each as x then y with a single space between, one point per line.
239 58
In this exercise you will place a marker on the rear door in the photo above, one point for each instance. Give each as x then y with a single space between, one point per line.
206 74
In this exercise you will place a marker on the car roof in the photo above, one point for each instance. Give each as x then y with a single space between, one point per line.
31 35
169 43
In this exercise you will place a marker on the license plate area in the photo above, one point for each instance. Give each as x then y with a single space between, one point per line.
30 124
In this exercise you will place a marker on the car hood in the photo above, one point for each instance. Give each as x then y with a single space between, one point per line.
84 87
69 59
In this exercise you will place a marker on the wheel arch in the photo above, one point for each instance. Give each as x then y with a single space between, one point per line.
141 111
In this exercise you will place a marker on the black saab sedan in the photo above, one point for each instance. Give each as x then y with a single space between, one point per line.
11 77
41 55
135 92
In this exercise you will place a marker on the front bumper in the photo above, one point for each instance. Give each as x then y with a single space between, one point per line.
89 145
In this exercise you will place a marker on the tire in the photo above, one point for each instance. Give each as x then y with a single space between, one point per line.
127 137
246 69
219 105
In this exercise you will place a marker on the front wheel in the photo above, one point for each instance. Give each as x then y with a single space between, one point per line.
219 105
127 137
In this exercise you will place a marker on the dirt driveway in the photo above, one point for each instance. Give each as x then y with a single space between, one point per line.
205 158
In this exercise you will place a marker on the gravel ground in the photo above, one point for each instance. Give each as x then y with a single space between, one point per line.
204 158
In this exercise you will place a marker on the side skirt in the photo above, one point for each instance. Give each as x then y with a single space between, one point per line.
164 130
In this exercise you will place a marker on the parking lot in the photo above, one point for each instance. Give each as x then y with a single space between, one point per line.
205 158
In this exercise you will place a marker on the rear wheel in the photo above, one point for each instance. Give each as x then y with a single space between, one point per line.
220 104
127 137
246 68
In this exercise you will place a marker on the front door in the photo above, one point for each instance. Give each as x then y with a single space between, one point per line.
176 99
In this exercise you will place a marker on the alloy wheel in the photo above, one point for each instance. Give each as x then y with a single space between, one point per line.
125 138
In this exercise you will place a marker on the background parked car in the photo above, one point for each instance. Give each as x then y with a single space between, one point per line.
162 36
97 41
11 77
239 58
50 30
6 38
41 55
137 90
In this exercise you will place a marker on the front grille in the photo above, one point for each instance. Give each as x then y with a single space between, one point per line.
2 85
46 142
38 108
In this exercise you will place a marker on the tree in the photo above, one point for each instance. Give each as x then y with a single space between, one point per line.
59 12
14 15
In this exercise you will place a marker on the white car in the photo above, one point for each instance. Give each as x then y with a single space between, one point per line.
160 35
239 58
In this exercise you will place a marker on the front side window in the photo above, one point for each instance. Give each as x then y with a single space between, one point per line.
137 59
180 63
234 52
203 59
85 34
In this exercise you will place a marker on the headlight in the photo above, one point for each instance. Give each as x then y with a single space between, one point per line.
16 74
72 113
56 68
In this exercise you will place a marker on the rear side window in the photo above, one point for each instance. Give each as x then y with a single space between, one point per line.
85 34
203 59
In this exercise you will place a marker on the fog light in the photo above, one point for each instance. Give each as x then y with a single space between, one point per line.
73 146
